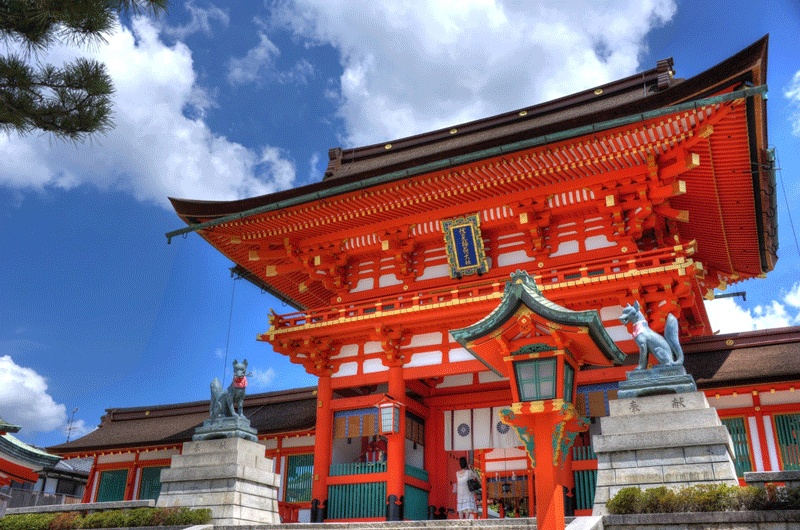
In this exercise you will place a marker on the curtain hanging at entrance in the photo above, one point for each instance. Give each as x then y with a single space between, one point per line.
470 429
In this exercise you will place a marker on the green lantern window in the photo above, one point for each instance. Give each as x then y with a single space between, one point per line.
569 378
536 379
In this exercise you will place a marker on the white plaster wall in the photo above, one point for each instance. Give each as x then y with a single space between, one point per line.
731 401
113 458
429 358
459 354
513 258
372 366
158 455
779 397
298 441
346 369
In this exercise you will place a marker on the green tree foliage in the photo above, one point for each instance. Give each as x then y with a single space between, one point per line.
71 101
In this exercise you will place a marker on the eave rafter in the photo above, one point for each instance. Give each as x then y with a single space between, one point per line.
400 244
563 166
628 178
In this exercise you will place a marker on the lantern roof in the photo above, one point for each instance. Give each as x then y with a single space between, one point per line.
528 324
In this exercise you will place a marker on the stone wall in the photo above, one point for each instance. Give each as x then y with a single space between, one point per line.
762 520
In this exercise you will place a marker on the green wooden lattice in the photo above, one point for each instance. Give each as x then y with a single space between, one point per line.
356 501
585 482
415 507
151 483
788 429
536 379
112 485
299 476
739 436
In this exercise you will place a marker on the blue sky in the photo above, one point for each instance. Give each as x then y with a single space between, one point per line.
226 100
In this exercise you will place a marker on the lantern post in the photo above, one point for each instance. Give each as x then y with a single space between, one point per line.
540 346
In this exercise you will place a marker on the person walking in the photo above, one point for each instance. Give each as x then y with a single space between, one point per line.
466 505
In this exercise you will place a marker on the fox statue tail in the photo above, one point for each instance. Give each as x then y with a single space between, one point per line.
671 334
216 390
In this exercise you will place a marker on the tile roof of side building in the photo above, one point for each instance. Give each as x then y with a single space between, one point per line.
271 412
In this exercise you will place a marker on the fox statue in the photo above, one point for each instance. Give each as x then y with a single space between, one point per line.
230 401
667 349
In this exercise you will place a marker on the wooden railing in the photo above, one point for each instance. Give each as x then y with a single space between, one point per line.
24 498
417 473
356 468
584 272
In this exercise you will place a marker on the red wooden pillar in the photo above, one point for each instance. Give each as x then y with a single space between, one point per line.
549 493
436 460
322 450
88 492
130 485
762 432
396 452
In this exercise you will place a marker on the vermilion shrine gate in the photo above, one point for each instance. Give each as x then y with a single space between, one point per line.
646 189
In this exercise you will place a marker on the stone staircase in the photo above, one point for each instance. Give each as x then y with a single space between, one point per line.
521 523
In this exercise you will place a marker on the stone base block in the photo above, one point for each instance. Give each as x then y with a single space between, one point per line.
232 477
665 440
657 380
225 427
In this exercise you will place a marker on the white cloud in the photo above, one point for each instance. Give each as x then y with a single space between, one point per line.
793 296
160 146
314 172
792 93
726 316
258 65
262 378
409 67
219 353
200 20
24 400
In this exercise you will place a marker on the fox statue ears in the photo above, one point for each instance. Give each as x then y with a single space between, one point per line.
244 362
636 305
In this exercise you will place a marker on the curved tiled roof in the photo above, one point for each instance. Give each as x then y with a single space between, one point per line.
271 412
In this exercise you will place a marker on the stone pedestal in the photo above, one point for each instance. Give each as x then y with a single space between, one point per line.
225 427
230 476
672 440
657 380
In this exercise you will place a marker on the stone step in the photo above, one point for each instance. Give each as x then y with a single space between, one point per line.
519 523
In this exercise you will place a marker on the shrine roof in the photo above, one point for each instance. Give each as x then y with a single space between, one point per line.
27 455
747 358
636 94
120 428
737 239
521 290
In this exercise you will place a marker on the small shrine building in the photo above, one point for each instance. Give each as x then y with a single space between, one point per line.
650 188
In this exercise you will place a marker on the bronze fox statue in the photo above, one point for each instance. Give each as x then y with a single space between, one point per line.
667 349
228 402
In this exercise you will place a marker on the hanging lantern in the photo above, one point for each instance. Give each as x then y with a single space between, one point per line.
389 411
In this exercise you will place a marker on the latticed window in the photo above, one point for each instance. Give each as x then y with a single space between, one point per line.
742 449
787 426
112 485
150 486
299 476
569 378
536 379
